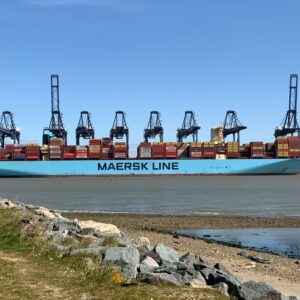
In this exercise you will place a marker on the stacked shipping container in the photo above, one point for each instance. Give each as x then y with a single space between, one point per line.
32 152
107 148
257 150
68 152
209 150
94 149
81 152
120 151
158 150
196 150
144 150
171 150
282 147
270 150
19 152
294 146
55 148
232 150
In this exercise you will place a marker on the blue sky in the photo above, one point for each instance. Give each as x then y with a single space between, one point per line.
140 55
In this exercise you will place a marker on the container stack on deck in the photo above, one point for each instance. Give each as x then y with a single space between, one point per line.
107 148
144 150
269 150
257 150
232 150
294 146
120 151
55 148
32 152
171 151
158 150
81 152
196 150
19 152
282 147
209 150
94 151
68 152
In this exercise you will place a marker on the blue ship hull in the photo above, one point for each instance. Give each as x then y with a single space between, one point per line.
149 167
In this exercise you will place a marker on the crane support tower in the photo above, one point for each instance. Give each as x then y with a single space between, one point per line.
290 124
8 128
232 125
189 127
56 126
154 127
85 127
120 128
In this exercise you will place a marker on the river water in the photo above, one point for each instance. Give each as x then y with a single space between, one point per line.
243 195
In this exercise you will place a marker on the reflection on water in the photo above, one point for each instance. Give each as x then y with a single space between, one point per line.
245 195
282 241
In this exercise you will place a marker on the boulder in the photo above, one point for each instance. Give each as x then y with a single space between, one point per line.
59 249
252 290
61 223
196 284
100 228
4 203
167 254
190 275
145 252
162 278
125 259
142 241
223 269
222 287
148 264
46 213
190 259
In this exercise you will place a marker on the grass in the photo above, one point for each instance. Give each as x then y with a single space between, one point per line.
28 272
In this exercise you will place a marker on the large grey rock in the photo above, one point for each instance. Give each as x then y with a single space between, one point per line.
100 228
126 259
90 250
223 269
251 290
56 224
195 261
222 287
162 278
144 252
167 254
148 264
59 250
190 275
142 241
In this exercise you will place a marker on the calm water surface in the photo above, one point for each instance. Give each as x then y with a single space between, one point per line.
282 241
246 195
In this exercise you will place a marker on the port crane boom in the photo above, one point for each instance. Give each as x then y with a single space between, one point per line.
290 124
56 126
120 128
8 128
232 125
189 127
85 127
154 127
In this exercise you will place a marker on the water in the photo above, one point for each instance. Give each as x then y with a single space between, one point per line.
282 241
243 195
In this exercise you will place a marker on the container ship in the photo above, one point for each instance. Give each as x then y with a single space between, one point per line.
106 157
103 157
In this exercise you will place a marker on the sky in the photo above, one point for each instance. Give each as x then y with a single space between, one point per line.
208 56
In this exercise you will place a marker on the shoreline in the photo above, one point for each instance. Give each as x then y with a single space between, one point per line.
281 273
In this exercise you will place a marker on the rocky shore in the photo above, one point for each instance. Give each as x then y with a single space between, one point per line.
133 259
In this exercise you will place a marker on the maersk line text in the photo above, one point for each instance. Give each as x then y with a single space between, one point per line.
137 166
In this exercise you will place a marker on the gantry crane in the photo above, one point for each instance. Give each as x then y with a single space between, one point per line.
290 124
154 127
189 127
8 128
232 125
120 128
56 126
85 127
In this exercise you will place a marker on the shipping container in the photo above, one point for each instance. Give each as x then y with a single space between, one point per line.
144 150
171 150
232 150
282 147
158 150
209 150
257 150
196 150
183 150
